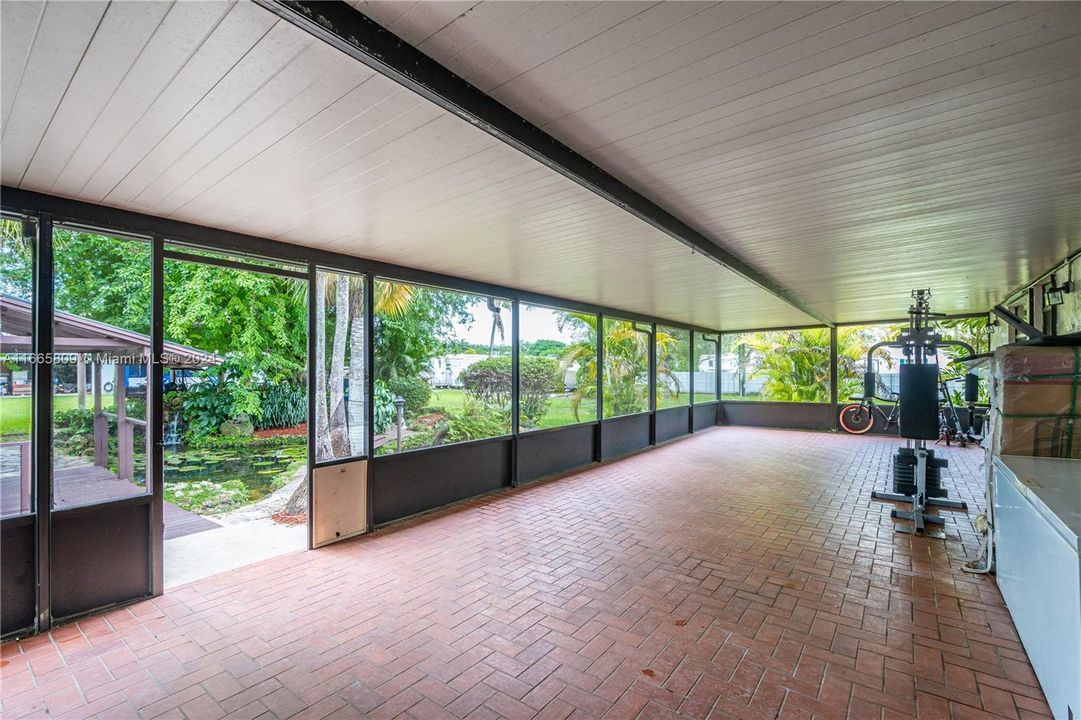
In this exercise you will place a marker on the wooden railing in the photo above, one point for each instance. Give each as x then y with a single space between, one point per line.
25 479
125 444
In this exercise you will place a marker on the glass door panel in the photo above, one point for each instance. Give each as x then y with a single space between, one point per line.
101 342
17 239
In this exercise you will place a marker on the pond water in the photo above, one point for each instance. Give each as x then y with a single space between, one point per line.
261 471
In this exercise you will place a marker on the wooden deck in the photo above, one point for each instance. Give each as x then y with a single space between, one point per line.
77 482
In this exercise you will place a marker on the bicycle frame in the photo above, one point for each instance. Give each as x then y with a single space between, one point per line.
891 418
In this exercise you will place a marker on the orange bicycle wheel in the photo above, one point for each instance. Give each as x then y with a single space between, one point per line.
857 419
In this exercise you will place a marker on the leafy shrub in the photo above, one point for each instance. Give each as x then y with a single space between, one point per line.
136 407
76 420
423 439
384 408
415 391
206 407
474 424
283 404
538 377
172 402
489 381
224 393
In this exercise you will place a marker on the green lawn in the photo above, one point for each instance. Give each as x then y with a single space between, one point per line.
667 401
15 413
757 397
560 411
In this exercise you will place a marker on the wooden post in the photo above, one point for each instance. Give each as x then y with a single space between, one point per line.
80 380
101 424
125 446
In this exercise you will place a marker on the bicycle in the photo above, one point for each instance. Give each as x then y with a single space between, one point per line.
949 424
858 418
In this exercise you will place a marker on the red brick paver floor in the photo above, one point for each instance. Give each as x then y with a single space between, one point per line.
742 573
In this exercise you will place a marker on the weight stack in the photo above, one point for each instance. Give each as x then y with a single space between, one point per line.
904 473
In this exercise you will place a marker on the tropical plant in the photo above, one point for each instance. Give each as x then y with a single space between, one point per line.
971 330
220 394
283 405
102 278
673 355
795 364
414 390
76 420
474 424
383 407
626 363
16 258
626 368
581 353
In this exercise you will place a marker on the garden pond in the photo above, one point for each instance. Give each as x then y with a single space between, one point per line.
208 481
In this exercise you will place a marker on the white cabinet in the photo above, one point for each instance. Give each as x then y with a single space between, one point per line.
1038 568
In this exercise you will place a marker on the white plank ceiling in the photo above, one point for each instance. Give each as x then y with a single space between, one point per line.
850 151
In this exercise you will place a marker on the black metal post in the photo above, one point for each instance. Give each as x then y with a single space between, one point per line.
597 444
154 415
515 370
717 378
42 413
690 385
652 383
369 389
834 379
313 338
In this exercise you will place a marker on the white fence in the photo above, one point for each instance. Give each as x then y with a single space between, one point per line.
704 382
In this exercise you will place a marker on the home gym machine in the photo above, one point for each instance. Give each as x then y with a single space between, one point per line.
917 473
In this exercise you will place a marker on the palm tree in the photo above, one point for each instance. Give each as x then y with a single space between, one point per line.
583 353
795 364
626 364
497 324
667 365
392 299
346 428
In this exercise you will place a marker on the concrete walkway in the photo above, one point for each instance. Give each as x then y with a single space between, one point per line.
210 552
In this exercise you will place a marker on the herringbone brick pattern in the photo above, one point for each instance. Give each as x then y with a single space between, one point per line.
742 573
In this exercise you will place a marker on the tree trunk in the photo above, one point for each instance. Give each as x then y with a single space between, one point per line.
339 433
322 443
358 358
298 501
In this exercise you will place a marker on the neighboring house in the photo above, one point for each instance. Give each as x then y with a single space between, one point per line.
446 371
